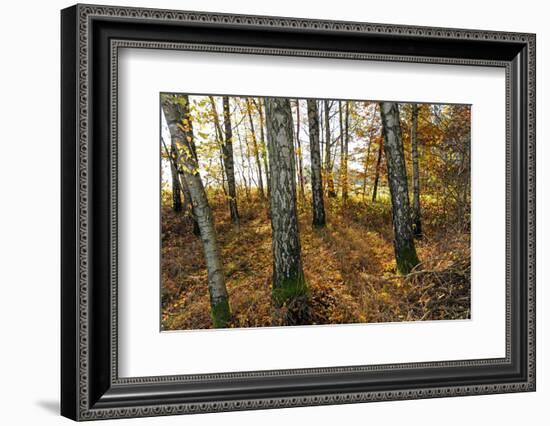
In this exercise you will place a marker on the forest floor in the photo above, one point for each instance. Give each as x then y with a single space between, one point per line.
349 267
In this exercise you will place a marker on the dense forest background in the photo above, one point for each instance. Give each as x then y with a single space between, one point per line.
279 211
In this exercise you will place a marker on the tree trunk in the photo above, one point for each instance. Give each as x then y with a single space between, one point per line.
220 141
328 163
249 169
344 141
288 276
405 251
416 214
229 162
176 191
367 158
377 175
299 152
365 170
255 148
321 135
189 200
179 182
244 169
180 125
264 145
262 142
318 207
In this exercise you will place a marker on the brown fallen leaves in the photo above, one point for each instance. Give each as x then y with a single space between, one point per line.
349 267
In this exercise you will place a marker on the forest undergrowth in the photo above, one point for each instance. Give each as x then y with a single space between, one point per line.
349 266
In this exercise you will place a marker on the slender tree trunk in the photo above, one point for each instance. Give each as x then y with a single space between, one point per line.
344 134
255 148
416 213
181 184
180 125
249 168
318 206
229 162
220 141
321 135
366 169
246 182
263 143
328 163
178 182
176 191
299 152
341 141
377 174
288 277
189 200
405 250
367 158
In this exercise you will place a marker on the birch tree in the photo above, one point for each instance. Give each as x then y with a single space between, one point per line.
344 143
220 139
405 250
328 161
255 148
259 107
377 173
416 214
176 191
370 133
179 186
288 276
299 152
229 161
177 113
318 207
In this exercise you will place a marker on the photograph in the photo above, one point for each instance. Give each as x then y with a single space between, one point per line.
280 211
263 209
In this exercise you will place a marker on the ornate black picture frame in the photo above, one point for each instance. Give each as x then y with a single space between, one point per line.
91 36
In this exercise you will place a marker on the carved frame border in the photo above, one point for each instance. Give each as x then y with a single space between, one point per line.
85 13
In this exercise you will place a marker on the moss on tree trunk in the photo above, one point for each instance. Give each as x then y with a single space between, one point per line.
288 277
220 313
406 259
290 288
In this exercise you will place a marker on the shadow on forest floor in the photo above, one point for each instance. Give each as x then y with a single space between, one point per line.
349 267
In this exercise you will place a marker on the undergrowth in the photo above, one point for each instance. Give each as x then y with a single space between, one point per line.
349 267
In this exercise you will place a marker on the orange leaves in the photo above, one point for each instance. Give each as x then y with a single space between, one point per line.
349 267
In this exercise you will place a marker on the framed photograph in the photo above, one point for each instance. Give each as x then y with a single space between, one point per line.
263 212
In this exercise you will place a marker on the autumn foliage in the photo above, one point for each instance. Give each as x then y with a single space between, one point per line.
349 267
349 264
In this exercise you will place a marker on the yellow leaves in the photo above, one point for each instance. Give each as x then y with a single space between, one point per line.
384 296
191 170
185 153
184 126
